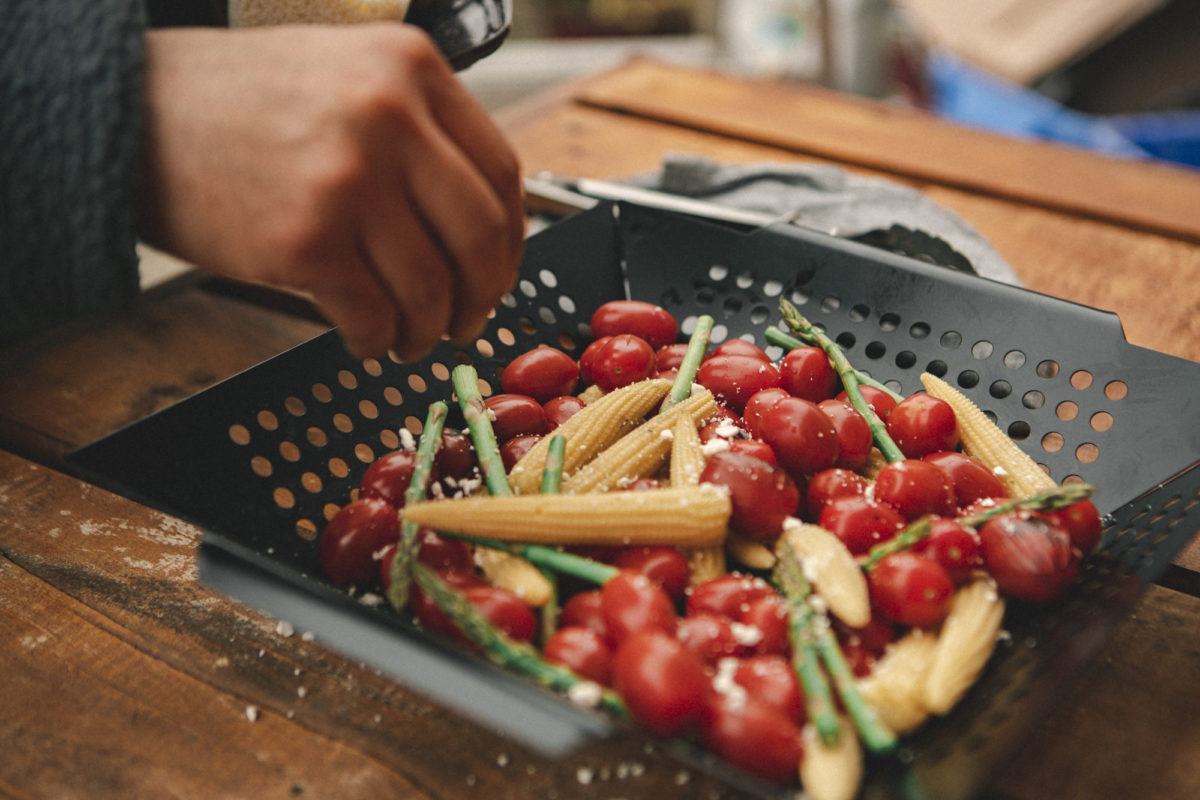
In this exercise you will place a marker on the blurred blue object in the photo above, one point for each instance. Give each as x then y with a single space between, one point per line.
974 97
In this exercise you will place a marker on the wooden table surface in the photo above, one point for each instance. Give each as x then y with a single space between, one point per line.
125 677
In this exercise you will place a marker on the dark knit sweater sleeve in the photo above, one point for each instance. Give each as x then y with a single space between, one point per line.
70 130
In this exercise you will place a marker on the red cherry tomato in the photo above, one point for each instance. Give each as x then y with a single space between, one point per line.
666 566
1082 523
766 619
427 612
633 603
772 680
762 495
910 589
874 637
922 424
832 483
456 457
753 737
388 477
806 372
646 320
505 610
729 595
586 376
516 447
623 360
915 488
803 438
880 401
854 434
757 405
541 373
560 409
709 636
663 683
352 542
1030 559
444 553
734 379
954 546
583 651
739 347
643 484
585 609
515 415
670 357
860 523
971 480
754 447
723 425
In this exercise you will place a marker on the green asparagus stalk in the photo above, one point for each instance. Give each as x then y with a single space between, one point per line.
552 474
466 386
544 557
788 342
681 389
406 550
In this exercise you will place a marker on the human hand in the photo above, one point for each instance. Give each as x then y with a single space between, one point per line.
346 163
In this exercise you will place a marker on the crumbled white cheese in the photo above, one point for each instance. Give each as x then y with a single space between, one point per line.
407 440
252 713
284 628
714 445
585 694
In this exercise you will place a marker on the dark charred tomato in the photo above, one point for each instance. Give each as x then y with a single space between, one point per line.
739 347
581 650
921 424
512 450
352 542
584 608
730 595
645 320
771 679
709 636
541 373
915 488
910 589
515 415
1081 521
663 683
753 737
444 553
623 360
853 433
388 477
954 546
766 622
762 495
757 405
588 357
803 438
971 480
754 447
832 483
666 566
733 380
633 603
880 401
806 372
859 522
560 409
1030 559
456 457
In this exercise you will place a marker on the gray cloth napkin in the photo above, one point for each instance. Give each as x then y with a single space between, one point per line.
826 198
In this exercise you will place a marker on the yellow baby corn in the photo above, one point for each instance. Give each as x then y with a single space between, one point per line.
964 644
687 516
833 572
895 689
687 453
982 439
640 452
705 563
831 772
515 574
590 430
591 394
750 554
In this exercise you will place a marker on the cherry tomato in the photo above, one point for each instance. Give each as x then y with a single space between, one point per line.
803 438
806 372
1081 521
757 405
623 360
645 320
729 595
739 347
854 434
516 447
633 603
910 589
643 484
353 541
583 651
915 488
734 379
388 477
444 553
832 483
772 680
754 447
541 373
766 619
663 683
666 566
505 610
859 522
1030 559
874 637
669 357
880 401
724 425
954 546
456 457
709 636
515 415
586 376
584 609
922 424
971 480
762 495
560 409
753 737
427 612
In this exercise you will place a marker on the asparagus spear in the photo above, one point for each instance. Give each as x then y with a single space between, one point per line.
400 569
788 342
466 386
697 347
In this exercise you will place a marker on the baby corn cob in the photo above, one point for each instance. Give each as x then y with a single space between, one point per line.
832 570
895 689
590 430
964 644
640 452
705 563
830 771
687 453
515 574
983 439
688 516
753 555
591 394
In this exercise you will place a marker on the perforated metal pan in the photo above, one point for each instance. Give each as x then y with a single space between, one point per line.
260 461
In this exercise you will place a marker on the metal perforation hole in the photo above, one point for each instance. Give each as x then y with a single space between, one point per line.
485 389
1014 359
718 272
389 438
1019 431
875 350
289 451
372 367
295 406
267 420
1101 421
981 350
330 510
417 383
526 326
719 334
548 278
566 304
1081 379
1066 410
1033 400
920 330
527 288
368 409
1053 442
316 437
413 425
859 312
889 321
937 368
759 315
261 466
393 396
482 346
566 342
343 422
321 393
830 303
1116 390
798 297
687 325
505 337
283 497
508 300
951 340
1087 452
905 359
311 482
705 295
546 315
744 280
968 379
846 340
1047 369
732 305
1000 389
772 288
239 434
338 468
439 371
347 379
394 357
364 452
306 530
